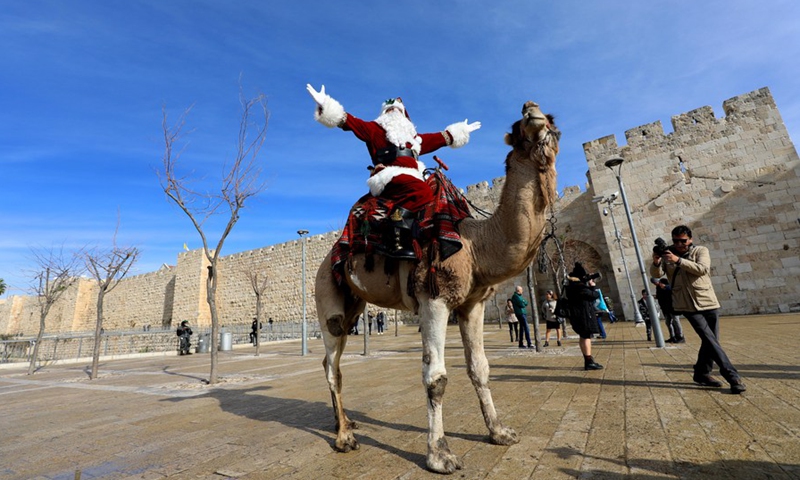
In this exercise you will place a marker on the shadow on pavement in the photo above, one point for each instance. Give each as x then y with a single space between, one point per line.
315 418
730 469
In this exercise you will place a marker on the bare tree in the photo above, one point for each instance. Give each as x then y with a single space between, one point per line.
107 267
57 271
257 276
240 181
534 306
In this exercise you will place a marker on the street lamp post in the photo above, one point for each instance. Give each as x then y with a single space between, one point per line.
651 306
618 238
304 329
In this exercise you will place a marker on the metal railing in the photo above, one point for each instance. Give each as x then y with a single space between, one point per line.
75 345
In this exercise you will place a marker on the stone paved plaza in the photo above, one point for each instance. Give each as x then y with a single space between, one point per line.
270 417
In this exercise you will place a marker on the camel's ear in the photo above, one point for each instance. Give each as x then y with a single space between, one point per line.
512 138
551 120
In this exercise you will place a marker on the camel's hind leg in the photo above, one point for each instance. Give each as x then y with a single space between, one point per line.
471 326
433 320
336 313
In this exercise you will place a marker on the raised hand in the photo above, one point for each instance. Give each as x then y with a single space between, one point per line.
471 127
318 97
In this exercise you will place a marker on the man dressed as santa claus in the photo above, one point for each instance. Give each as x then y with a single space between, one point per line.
394 147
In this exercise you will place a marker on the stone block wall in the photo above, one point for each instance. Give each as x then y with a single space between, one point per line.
138 301
282 264
734 181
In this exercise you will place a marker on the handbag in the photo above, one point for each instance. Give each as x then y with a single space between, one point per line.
562 307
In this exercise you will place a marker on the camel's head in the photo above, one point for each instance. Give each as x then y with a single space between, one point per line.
534 141
536 133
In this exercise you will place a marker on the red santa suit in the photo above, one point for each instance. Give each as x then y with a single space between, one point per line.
394 149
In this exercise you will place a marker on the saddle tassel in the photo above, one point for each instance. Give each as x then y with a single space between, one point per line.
433 279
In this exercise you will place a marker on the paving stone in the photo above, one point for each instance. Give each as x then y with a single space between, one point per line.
270 416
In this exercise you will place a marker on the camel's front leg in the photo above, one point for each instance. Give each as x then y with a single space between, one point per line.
334 346
336 315
471 325
433 320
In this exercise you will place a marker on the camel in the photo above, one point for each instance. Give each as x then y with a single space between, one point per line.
494 250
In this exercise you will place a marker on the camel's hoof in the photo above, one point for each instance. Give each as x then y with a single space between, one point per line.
345 443
505 436
442 460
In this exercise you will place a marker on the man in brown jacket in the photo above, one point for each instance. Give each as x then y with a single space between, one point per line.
688 268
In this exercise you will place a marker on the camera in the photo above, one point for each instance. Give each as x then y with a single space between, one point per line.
661 247
591 276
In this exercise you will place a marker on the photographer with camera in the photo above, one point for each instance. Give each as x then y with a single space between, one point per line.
581 294
688 269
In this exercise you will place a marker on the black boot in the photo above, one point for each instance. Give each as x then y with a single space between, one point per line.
590 364
398 239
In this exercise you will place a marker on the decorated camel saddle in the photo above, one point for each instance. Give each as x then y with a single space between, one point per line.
371 228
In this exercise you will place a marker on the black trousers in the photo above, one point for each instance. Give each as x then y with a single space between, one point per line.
706 324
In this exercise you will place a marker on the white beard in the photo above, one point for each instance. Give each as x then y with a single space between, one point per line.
399 130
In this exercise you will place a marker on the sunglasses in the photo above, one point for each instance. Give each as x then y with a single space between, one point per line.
680 240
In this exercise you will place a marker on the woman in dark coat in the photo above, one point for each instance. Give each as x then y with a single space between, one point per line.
582 294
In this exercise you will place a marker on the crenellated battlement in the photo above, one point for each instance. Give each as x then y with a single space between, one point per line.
744 112
644 134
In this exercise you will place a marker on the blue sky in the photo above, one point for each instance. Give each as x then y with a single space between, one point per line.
82 85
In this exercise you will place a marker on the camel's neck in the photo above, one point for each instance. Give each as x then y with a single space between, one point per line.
506 243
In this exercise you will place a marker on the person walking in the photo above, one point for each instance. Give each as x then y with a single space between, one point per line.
612 318
581 295
520 303
645 312
381 321
254 328
184 332
513 323
673 320
550 319
688 268
600 308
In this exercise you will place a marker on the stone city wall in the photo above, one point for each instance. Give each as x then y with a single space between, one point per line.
733 180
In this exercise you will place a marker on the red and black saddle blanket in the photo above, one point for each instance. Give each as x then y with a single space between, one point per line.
437 226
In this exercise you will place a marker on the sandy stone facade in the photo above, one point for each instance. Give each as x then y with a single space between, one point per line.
734 180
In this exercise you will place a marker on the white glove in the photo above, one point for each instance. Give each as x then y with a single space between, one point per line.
318 97
471 127
460 132
329 112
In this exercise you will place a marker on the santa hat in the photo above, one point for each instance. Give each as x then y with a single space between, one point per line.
394 103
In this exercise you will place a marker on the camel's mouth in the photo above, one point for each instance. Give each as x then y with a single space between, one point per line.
535 120
533 115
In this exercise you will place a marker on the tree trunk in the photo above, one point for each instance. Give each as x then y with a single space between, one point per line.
258 322
499 313
366 329
97 332
35 354
211 292
534 307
